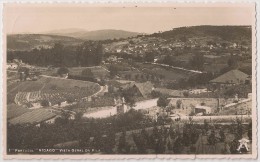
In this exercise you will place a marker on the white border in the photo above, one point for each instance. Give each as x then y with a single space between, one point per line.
123 1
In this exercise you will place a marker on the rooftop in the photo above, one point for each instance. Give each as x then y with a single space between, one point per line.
233 76
14 110
33 117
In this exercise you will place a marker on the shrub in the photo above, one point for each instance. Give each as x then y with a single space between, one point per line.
162 101
156 94
45 103
178 104
185 94
62 70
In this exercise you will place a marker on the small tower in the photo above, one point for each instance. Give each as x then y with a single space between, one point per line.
120 105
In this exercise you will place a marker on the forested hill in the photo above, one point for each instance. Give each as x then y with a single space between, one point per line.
30 41
202 34
227 33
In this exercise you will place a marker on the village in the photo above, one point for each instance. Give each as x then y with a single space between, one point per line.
145 87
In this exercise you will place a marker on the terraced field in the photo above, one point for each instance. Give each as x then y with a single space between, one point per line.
52 89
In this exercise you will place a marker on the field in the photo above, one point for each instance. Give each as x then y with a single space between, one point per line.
214 67
51 88
98 71
167 73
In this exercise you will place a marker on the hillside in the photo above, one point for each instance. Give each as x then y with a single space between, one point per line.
29 41
95 35
184 40
227 33
183 36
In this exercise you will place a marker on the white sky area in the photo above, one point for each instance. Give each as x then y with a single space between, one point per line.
37 18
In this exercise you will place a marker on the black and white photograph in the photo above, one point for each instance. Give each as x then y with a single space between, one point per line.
129 79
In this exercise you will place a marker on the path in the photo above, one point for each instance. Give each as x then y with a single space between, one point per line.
174 67
102 89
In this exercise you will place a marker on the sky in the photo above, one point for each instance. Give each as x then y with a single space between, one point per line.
38 18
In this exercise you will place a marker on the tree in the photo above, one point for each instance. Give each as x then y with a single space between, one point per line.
177 146
140 143
183 39
147 77
232 62
84 135
142 77
149 57
123 146
185 93
24 73
136 76
197 61
99 53
131 42
206 125
64 119
156 94
129 97
78 116
168 60
113 71
160 146
179 104
79 55
89 53
58 54
239 134
45 103
162 101
110 142
212 138
224 45
233 146
63 70
222 135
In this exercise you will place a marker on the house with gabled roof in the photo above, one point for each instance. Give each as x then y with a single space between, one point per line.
140 89
14 110
34 117
232 77
144 88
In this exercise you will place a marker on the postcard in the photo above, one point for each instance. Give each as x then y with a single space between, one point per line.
120 81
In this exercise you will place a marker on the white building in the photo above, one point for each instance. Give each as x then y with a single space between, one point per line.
203 109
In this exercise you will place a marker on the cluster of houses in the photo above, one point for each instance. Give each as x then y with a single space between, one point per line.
142 93
140 46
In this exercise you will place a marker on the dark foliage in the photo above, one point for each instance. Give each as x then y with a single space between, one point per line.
88 54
